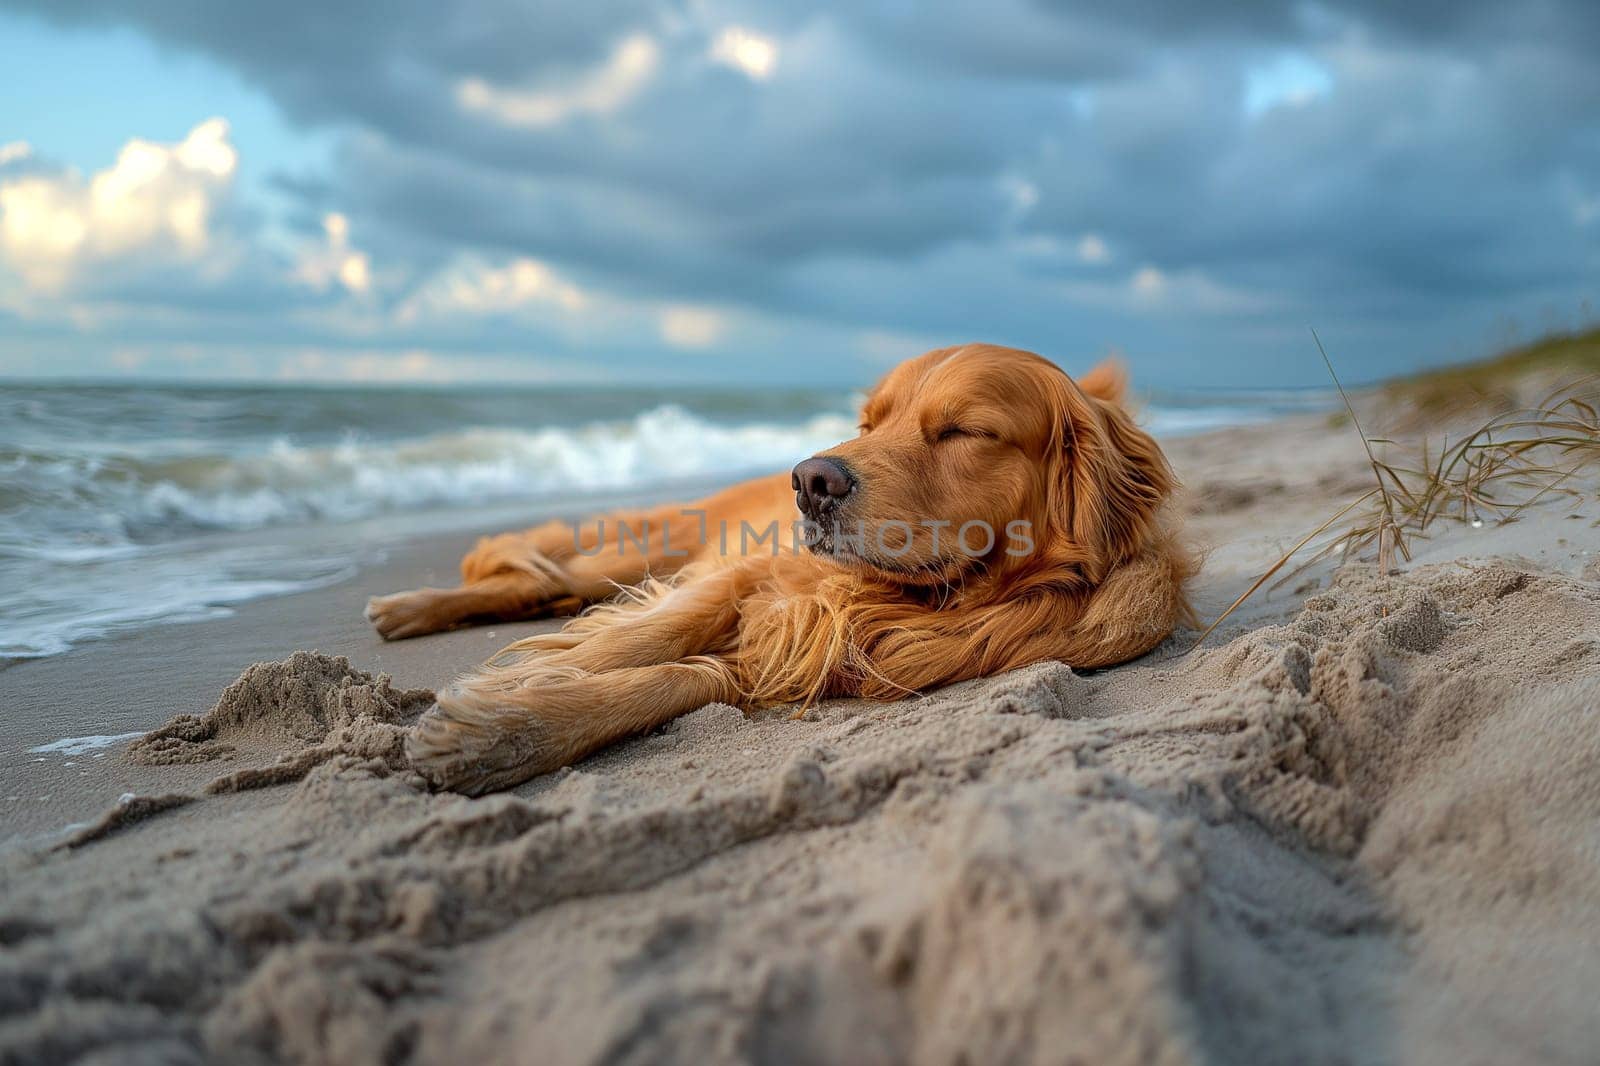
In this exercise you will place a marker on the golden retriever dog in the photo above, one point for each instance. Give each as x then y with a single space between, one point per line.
992 513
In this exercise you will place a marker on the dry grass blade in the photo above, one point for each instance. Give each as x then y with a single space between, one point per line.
1264 578
1497 471
1389 530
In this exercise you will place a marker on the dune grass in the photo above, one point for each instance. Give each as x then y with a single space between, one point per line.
1493 384
1515 458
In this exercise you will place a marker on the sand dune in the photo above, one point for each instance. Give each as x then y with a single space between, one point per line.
1357 827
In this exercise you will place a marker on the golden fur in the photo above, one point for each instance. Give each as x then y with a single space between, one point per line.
975 434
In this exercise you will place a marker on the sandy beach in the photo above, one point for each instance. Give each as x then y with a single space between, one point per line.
1357 825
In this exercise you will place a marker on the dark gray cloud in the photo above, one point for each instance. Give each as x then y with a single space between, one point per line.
1069 176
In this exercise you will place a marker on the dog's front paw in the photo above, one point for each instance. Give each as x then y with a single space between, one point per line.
464 747
408 614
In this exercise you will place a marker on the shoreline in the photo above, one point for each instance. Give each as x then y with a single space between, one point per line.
134 681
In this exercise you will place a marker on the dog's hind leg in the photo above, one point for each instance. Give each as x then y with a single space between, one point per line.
510 596
554 569
560 567
507 577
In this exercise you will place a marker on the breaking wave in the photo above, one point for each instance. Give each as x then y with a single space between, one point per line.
131 497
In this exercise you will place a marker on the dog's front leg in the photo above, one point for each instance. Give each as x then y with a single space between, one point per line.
629 668
479 737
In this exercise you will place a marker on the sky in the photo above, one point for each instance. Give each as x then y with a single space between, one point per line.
748 193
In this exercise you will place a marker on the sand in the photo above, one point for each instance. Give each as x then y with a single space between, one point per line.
1359 825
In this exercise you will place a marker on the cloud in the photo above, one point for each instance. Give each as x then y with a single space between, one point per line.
1585 209
692 327
1152 290
473 287
13 151
317 361
598 93
155 202
334 260
885 348
746 51
413 366
1092 249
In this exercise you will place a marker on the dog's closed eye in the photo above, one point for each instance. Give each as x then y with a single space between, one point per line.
955 432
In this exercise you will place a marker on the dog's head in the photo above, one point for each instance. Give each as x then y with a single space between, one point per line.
981 458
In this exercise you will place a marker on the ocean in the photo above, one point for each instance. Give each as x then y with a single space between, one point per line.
127 506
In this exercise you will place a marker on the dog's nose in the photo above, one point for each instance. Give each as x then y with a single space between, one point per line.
819 483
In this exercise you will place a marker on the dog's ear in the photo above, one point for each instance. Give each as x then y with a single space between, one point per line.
1107 381
1110 477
